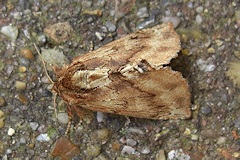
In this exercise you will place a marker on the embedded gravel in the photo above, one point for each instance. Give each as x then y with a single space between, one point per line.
209 59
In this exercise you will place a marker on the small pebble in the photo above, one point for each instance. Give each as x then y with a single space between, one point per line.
101 134
10 31
211 50
43 137
110 26
116 146
31 146
187 131
27 53
93 150
194 137
131 142
147 22
178 154
219 42
24 61
45 79
34 125
199 9
42 39
2 102
22 69
86 4
100 117
205 65
175 20
99 36
143 12
1 122
22 98
237 122
128 150
135 130
123 140
198 19
62 118
209 133
8 151
20 85
161 155
59 32
9 69
101 157
206 110
11 131
185 52
22 140
236 154
145 150
221 140
2 117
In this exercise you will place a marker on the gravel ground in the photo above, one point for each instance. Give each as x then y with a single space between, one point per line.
209 32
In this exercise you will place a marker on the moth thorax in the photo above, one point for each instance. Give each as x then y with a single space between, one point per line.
89 79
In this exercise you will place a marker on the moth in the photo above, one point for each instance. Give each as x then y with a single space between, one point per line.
129 76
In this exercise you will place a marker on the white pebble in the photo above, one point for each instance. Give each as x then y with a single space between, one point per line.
22 140
99 36
43 137
199 9
178 154
11 131
34 125
221 140
205 65
198 19
10 31
135 130
8 151
63 118
175 20
131 142
194 137
123 140
100 117
145 150
187 131
143 12
128 150
9 69
110 26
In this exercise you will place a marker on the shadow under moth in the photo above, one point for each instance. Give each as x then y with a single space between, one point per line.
129 77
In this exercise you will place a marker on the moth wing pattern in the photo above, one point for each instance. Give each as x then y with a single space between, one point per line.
157 46
129 77
161 94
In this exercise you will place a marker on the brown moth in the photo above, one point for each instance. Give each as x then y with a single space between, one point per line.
128 77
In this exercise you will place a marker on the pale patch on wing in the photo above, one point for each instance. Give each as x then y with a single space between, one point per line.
89 79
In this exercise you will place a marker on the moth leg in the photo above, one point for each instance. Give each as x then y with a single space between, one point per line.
68 126
70 116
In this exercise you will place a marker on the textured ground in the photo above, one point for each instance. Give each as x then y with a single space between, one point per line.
209 32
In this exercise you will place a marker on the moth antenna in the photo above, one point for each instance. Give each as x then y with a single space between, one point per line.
54 103
44 66
49 78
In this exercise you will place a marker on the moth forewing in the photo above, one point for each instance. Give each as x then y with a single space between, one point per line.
127 77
